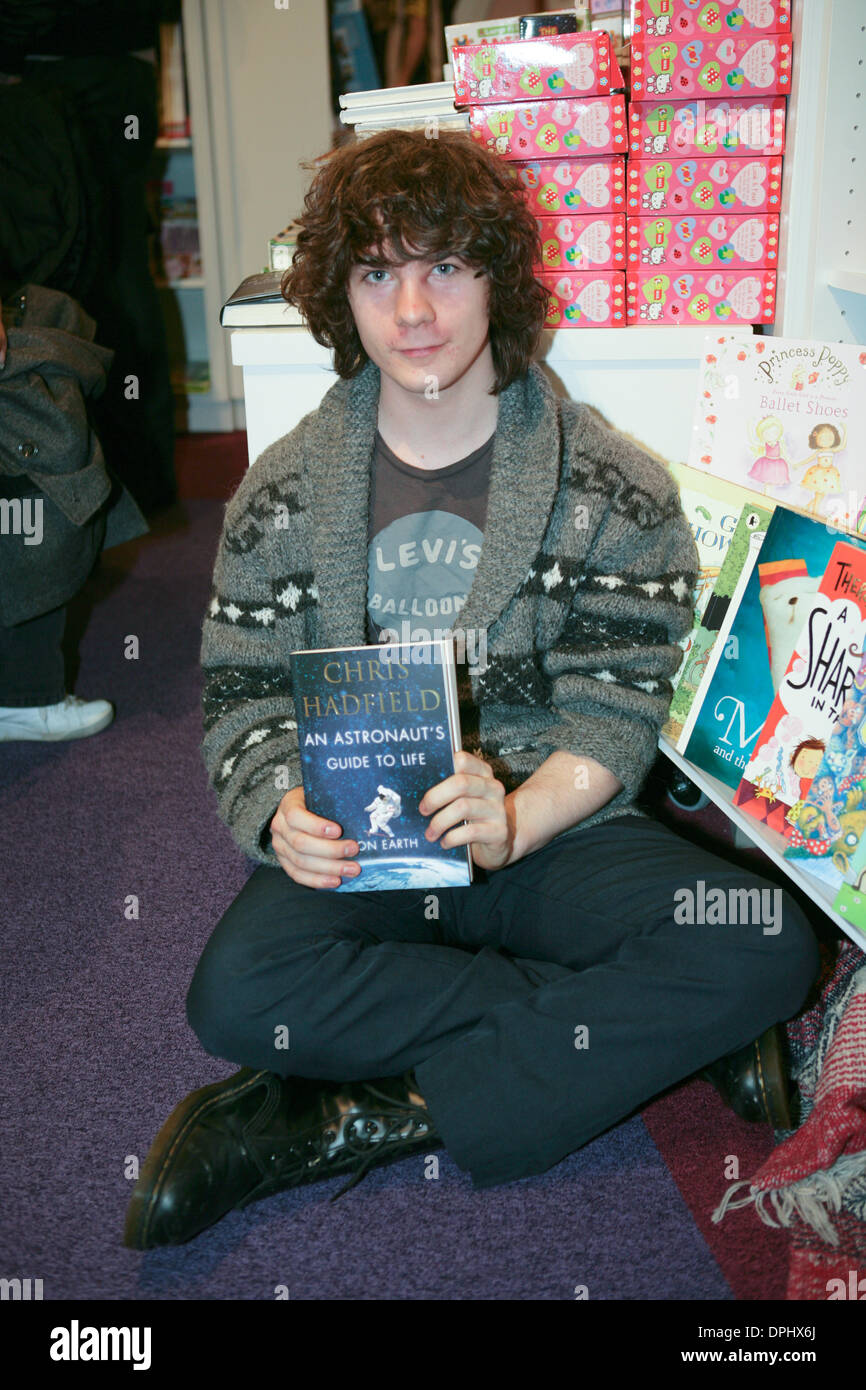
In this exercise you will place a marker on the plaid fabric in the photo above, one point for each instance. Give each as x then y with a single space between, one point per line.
814 1183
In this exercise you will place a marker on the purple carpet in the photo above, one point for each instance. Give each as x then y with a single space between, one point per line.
98 1051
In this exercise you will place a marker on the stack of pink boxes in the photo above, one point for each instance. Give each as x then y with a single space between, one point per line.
704 178
549 106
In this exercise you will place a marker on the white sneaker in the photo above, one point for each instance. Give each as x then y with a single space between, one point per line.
71 718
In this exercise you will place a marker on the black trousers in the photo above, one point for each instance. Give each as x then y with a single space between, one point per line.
543 1004
32 668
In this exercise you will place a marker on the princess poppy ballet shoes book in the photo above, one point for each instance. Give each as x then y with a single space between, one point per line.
378 726
786 418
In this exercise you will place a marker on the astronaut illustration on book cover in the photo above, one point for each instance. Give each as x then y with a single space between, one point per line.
383 808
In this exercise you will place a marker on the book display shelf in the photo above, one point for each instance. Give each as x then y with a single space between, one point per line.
771 842
822 284
187 260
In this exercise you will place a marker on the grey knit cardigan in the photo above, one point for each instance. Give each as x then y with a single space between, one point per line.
583 588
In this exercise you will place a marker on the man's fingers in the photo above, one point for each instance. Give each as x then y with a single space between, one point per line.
304 845
308 880
299 818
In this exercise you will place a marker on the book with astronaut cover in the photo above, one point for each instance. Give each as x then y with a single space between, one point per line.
378 726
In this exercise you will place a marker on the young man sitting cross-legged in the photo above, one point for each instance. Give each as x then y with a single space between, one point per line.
572 557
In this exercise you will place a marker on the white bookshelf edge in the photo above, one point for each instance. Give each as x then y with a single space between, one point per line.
770 841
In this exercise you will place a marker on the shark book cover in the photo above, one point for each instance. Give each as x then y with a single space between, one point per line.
805 711
378 726
754 652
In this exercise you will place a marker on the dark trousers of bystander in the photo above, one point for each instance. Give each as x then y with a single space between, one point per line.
32 663
537 1007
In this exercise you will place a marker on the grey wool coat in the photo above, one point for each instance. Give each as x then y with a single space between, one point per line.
584 586
50 455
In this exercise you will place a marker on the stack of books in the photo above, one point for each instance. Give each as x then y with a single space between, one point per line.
426 106
258 303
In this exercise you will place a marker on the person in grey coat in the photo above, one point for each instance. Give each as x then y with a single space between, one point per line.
60 505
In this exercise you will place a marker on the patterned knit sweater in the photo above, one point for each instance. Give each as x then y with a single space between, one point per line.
583 589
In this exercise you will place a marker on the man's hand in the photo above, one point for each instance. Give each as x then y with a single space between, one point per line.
307 846
472 794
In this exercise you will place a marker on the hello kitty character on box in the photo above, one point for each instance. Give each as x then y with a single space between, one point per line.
725 297
551 129
690 67
659 18
703 185
704 242
582 185
583 243
591 299
705 126
532 69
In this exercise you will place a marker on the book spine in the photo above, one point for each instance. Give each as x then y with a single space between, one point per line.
174 116
705 688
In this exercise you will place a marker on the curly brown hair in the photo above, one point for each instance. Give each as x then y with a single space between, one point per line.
824 425
427 198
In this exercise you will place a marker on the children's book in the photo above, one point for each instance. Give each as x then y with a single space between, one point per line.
818 680
378 726
711 507
850 899
746 541
786 417
825 830
757 648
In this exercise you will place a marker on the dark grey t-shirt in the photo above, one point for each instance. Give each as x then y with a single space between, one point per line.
425 532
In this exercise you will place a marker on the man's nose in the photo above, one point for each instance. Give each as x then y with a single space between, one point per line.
413 305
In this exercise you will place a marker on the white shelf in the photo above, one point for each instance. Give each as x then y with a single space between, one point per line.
852 281
770 841
660 344
174 142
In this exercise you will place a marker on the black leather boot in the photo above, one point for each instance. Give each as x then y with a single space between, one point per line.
754 1082
254 1134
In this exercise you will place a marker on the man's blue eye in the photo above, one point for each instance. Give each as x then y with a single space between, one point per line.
442 265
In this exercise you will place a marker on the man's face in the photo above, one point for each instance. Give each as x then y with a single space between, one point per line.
440 306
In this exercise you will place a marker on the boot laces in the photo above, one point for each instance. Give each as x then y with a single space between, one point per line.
392 1116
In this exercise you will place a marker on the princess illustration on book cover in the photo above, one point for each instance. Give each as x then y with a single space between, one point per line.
826 441
770 468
